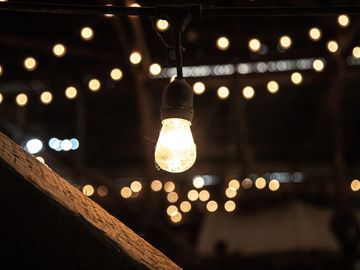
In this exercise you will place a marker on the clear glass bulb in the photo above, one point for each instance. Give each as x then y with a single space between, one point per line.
175 149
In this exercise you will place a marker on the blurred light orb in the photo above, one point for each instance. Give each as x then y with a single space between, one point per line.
212 206
102 191
135 5
135 58
199 88
318 65
169 186
223 92
248 92
285 42
260 183
246 183
21 99
125 192
156 185
343 20
274 185
272 87
296 78
234 183
1 98
71 92
254 45
135 186
204 195
172 210
155 69
198 182
172 197
332 46
315 34
162 25
88 190
30 63
46 97
74 144
222 43
116 74
176 218
34 146
94 85
355 185
230 192
1 70
185 206
193 195
230 206
356 52
87 33
59 50
66 145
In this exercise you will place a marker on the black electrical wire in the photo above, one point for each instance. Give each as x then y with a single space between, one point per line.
178 52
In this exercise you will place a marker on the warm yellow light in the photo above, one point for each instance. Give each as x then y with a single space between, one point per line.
102 191
41 159
254 45
315 34
88 190
332 46
135 186
87 33
204 195
285 42
246 183
108 14
172 210
175 149
135 58
1 70
343 20
222 43
156 185
198 182
223 92
21 99
318 65
234 183
185 206
230 192
193 195
212 206
162 25
116 74
199 88
248 92
272 87
173 77
94 85
274 185
155 69
296 78
355 185
30 63
71 92
135 5
125 192
177 218
356 52
1 98
172 197
46 97
230 206
260 183
169 186
59 50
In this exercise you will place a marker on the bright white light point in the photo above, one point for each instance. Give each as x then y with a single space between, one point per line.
21 99
234 183
125 192
204 195
274 185
162 25
116 74
223 92
30 63
193 195
155 69
254 45
332 46
212 206
272 87
296 78
172 210
318 65
87 33
176 218
172 78
74 144
185 206
135 58
199 88
46 97
66 145
248 92
88 190
34 146
135 186
355 185
260 183
285 42
94 85
135 5
59 50
156 185
198 182
71 92
343 20
356 52
222 43
41 159
109 15
315 34
229 206
1 98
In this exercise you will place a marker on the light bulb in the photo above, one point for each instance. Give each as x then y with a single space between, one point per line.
175 149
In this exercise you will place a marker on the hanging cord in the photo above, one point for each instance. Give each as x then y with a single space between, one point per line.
178 53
